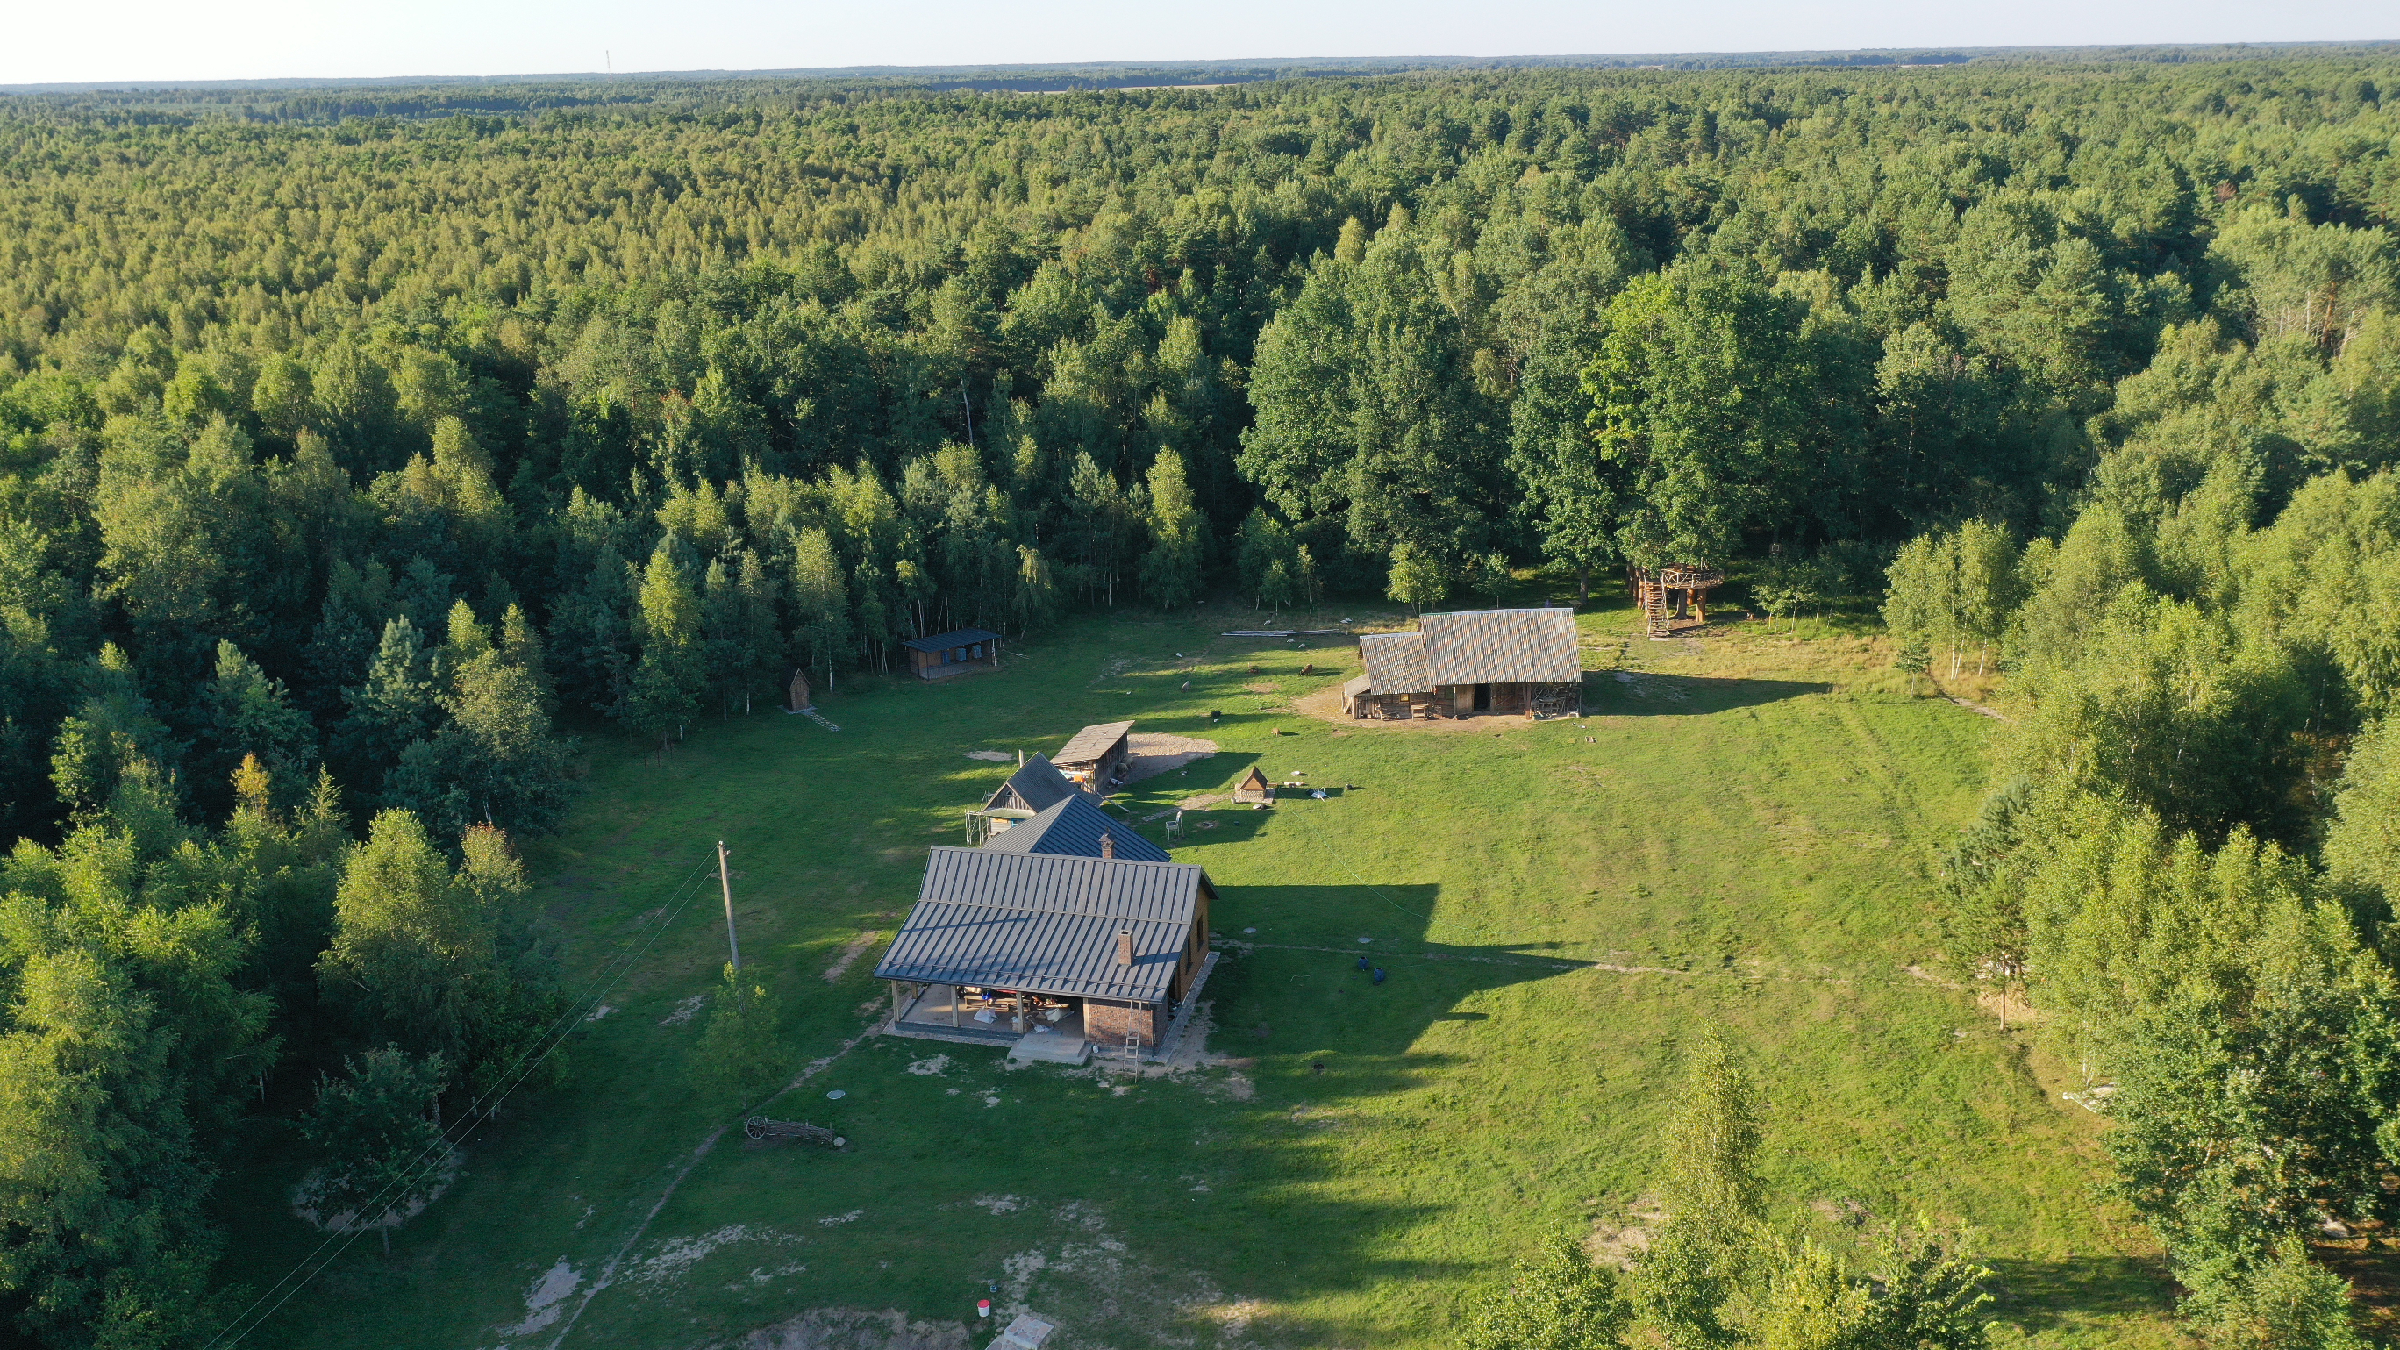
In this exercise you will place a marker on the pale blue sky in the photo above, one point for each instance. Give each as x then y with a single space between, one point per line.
62 40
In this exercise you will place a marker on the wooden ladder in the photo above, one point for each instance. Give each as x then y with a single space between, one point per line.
1654 609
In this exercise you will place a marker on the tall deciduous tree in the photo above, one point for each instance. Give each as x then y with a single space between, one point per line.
666 685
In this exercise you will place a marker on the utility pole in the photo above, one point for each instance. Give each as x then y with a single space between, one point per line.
725 880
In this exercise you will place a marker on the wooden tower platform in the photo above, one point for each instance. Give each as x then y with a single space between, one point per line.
1672 595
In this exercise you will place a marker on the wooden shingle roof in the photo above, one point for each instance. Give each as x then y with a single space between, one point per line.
1480 646
1396 663
1046 923
1091 743
1511 646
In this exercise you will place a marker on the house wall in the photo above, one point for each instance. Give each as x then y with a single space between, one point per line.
1112 1023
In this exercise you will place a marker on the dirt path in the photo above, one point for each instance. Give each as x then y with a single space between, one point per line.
616 1259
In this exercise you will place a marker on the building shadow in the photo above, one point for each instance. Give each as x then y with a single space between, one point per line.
2039 1296
1618 693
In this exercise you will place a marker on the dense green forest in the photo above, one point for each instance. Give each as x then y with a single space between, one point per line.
350 468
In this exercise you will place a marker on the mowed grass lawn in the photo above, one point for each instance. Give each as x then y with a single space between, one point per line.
1741 835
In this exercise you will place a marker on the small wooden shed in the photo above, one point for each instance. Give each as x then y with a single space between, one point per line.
953 653
1254 789
1096 758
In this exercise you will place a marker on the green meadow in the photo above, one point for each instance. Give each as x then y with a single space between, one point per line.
1739 833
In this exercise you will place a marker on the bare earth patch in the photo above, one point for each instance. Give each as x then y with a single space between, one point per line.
1152 753
850 954
857 1329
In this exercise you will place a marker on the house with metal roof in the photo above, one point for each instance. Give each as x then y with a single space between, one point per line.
1073 826
1050 950
1520 661
942 655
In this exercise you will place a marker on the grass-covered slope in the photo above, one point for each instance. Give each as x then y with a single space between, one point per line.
1742 834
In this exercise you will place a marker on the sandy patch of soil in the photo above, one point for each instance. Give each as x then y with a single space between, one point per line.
547 1299
308 1202
1620 1244
1150 754
857 1329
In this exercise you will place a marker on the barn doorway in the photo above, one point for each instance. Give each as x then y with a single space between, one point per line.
1483 698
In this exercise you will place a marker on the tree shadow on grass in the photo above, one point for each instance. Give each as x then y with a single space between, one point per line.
2039 1296
1633 694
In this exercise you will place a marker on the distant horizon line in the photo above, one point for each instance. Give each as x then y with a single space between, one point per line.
1261 67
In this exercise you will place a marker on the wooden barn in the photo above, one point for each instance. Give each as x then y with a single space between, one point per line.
1096 758
1061 934
1470 663
953 653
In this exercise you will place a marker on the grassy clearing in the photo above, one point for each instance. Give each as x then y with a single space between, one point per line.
1740 833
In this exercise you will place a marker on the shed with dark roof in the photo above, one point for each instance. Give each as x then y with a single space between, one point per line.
1037 785
942 655
1471 661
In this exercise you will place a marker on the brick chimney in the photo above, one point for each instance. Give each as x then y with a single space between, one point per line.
1124 946
1108 845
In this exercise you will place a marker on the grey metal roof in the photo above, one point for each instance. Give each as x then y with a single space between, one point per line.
1046 923
957 637
1092 742
1074 827
1396 663
1037 783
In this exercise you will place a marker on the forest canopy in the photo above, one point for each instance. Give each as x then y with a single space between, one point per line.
350 466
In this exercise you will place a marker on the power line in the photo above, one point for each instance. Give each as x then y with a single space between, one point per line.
428 1162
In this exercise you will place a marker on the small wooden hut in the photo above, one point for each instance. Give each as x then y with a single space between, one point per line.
1254 789
801 701
953 653
1096 758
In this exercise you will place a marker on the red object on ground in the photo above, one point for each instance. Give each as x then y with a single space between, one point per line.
983 1307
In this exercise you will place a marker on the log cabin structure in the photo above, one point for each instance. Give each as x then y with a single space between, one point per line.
1673 595
1096 758
957 652
1469 663
1063 933
1035 787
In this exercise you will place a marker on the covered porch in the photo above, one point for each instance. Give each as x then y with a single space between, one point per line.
1053 1025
